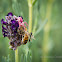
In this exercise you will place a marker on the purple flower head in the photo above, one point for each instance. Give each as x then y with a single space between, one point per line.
10 14
3 22
4 31
14 25
13 21
3 27
12 29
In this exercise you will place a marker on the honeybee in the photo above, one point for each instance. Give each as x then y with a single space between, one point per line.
25 39
21 30
25 35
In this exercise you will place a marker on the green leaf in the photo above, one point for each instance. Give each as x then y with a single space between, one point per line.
34 1
24 58
17 9
40 27
4 59
8 59
21 58
28 57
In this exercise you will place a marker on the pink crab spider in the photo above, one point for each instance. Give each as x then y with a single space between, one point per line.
21 23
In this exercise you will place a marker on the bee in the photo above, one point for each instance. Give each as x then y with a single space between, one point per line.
21 30
26 36
25 39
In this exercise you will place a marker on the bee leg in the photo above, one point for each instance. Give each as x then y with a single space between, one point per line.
29 40
31 33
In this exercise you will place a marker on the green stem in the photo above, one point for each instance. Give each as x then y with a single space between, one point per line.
30 15
35 25
16 55
45 47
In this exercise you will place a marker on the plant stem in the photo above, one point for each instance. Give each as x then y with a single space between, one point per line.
16 55
30 15
45 47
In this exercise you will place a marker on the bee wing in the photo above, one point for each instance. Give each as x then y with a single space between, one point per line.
32 37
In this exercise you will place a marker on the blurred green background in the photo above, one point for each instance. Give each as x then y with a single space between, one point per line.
47 22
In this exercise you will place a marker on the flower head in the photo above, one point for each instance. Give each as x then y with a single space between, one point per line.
10 14
15 30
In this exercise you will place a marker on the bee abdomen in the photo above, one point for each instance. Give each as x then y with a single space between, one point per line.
25 40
